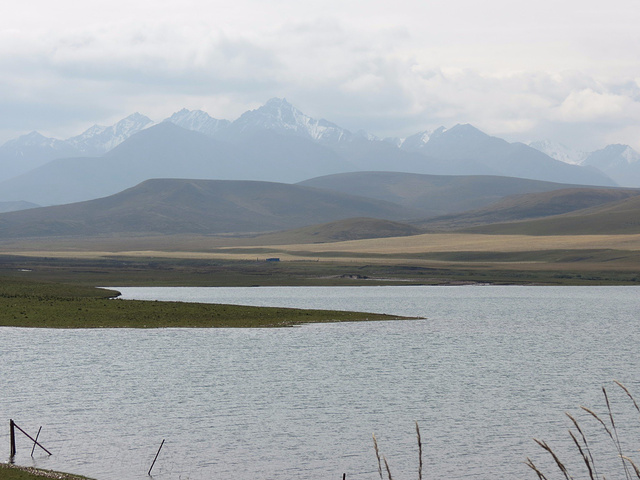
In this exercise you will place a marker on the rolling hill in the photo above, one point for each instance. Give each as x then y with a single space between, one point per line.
175 206
610 218
338 231
529 206
433 195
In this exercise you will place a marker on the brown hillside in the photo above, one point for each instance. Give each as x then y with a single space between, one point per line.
530 206
613 218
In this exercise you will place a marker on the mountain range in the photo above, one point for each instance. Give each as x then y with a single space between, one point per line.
32 150
275 143
620 162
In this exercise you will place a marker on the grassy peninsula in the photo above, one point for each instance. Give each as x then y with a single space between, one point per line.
14 472
54 305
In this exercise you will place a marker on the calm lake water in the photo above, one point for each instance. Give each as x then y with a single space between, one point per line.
485 371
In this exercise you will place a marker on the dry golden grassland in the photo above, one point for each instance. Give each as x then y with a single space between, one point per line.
423 259
396 247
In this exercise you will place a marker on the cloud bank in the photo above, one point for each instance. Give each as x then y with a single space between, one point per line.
566 72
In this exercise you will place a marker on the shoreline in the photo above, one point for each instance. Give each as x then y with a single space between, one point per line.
29 304
11 471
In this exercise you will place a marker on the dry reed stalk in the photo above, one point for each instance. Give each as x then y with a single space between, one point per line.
628 394
615 431
419 452
635 467
582 454
560 465
386 464
375 446
595 415
586 444
529 463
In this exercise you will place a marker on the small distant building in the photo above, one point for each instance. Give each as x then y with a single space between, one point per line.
273 259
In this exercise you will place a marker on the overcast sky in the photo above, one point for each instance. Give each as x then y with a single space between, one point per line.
563 70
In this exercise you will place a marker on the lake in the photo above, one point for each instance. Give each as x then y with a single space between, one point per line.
486 369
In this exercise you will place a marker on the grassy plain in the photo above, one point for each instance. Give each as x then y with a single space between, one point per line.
419 259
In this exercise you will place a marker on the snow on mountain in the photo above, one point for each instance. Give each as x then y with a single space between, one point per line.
367 136
29 151
612 156
99 139
198 121
415 142
620 162
462 149
559 151
35 140
280 116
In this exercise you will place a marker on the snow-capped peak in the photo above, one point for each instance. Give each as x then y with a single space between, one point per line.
367 136
417 141
35 140
280 116
559 151
630 155
198 121
30 139
98 139
613 156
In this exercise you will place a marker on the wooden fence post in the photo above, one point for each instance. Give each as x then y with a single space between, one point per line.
12 432
13 443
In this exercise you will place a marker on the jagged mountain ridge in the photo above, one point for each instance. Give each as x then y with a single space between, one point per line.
99 139
560 151
166 150
283 137
29 151
33 150
620 162
279 116
198 121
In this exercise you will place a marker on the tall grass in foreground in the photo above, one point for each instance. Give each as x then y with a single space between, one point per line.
386 464
592 468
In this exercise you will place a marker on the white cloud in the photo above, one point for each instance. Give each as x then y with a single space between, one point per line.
394 69
588 105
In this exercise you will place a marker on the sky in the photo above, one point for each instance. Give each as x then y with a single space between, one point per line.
562 70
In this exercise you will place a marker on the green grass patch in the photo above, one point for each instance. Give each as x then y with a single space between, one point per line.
49 305
13 472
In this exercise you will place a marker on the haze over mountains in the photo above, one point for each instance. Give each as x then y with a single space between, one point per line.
275 142
194 174
32 150
620 162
